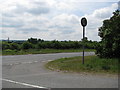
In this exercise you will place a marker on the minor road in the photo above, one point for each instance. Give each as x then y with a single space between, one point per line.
11 59
28 71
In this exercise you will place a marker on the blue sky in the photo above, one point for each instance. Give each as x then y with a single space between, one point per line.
53 19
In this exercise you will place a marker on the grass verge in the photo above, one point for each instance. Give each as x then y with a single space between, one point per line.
92 64
41 51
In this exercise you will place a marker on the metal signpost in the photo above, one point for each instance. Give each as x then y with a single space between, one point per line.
83 23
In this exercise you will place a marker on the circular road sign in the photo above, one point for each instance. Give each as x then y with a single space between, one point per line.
84 22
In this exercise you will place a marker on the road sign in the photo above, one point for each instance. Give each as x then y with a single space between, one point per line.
83 23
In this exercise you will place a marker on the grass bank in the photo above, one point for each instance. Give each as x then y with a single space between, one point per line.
41 51
92 64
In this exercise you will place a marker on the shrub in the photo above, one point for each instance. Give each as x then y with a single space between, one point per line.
27 45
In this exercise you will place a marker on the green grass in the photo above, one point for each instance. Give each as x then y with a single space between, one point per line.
0 52
92 64
41 51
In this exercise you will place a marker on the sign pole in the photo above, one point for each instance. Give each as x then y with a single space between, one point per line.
83 44
83 23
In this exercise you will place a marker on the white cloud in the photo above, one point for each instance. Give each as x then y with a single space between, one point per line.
119 5
66 20
65 24
95 20
105 12
50 19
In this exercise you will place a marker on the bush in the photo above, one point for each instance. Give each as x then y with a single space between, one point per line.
5 45
27 45
105 67
14 46
8 50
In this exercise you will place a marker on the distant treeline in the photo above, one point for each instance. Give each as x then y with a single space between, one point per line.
34 43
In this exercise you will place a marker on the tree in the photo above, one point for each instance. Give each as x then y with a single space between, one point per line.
5 45
33 40
14 46
85 39
27 45
110 34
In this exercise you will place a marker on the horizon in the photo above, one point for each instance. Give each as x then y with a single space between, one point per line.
37 39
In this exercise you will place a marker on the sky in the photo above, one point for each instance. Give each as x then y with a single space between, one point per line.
53 19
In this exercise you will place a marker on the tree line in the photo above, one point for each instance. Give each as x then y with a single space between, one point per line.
34 43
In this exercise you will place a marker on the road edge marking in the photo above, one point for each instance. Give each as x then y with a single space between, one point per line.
25 84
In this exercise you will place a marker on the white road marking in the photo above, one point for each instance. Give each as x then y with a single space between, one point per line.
35 61
16 63
25 84
26 62
43 61
22 63
31 75
50 60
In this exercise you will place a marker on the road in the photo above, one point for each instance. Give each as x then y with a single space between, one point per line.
28 71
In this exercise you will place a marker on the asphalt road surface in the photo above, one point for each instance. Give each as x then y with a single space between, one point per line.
28 71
